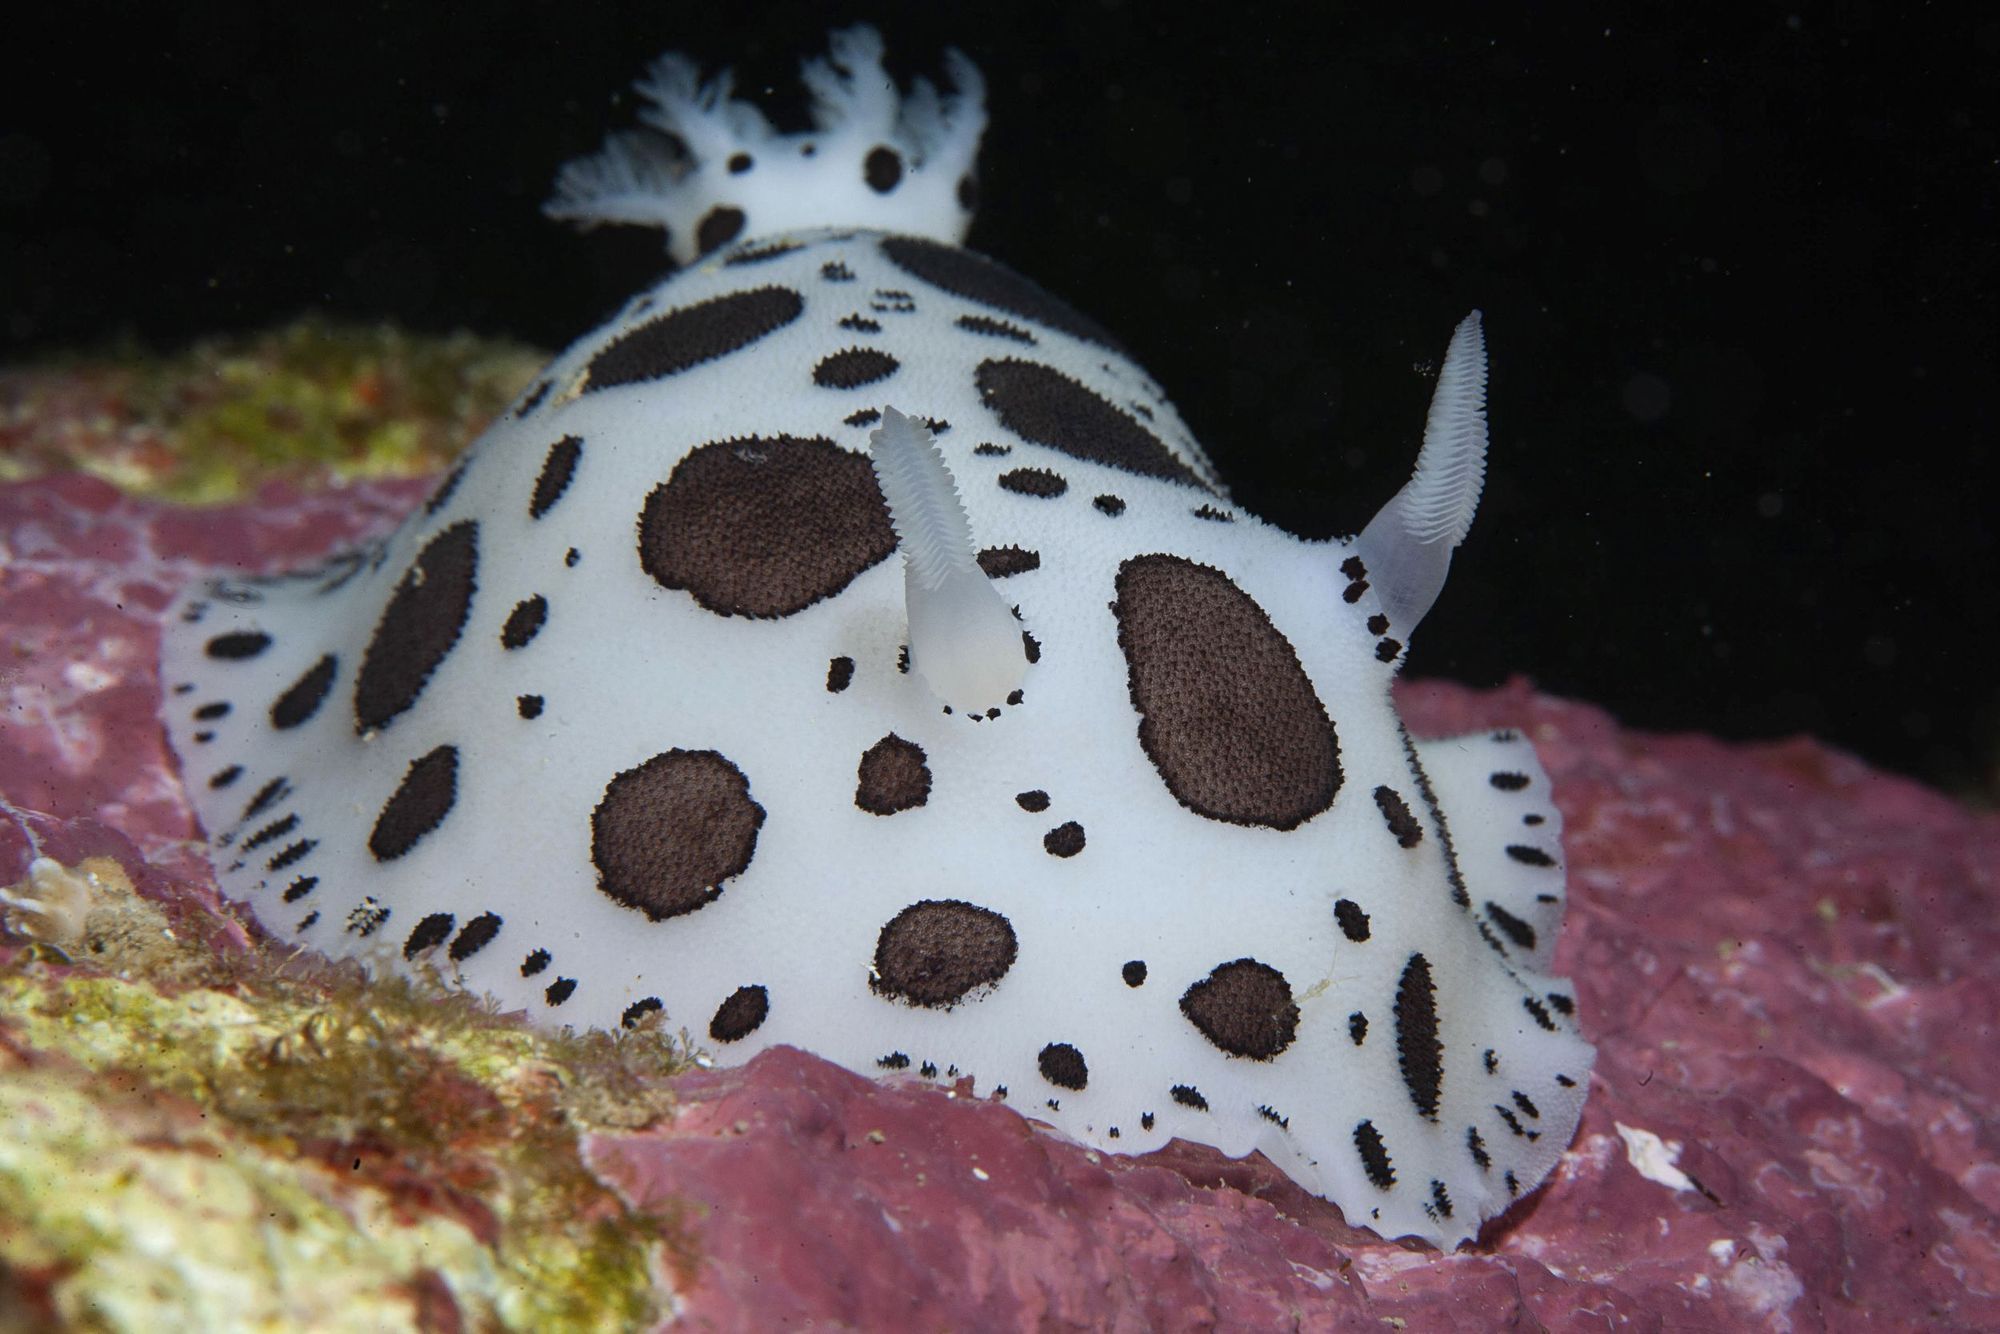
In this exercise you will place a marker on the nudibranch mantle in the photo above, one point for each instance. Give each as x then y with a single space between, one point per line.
1095 796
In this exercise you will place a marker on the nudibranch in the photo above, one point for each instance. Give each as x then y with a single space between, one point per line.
849 646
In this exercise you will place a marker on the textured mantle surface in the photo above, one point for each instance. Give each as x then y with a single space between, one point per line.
1790 965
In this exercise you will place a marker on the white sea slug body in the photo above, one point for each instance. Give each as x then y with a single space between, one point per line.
1096 796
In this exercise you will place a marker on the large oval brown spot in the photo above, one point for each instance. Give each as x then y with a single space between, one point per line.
421 623
693 334
1245 1008
1419 1050
668 833
740 1015
937 952
1227 715
765 527
1041 404
977 278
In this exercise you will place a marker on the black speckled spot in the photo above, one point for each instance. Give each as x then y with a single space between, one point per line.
1187 1095
1041 404
1528 856
882 169
420 804
717 228
854 367
428 934
422 622
1353 920
1374 1156
839 675
238 645
691 335
1065 840
1245 1008
742 1014
474 936
1063 1065
1034 482
1396 812
524 622
978 279
558 469
302 698
1419 1050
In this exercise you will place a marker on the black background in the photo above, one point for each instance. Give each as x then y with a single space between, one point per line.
1737 263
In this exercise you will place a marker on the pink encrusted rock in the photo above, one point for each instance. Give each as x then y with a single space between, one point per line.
1790 965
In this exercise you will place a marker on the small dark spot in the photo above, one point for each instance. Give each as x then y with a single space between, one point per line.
1528 856
534 963
718 228
1357 1027
1188 1096
1065 840
1526 1104
1108 504
882 169
836 272
1034 802
524 622
1353 920
1031 646
992 328
1531 820
1034 482
860 324
839 675
300 887
571 557
1516 930
238 644
929 1071
557 470
559 990
1566 1081
854 367
1374 1157
893 776
741 1014
1491 1061
1539 1012
292 855
1134 973
474 936
265 798
895 1060
1386 650
428 934
1402 822
987 449
636 1012
528 706
210 712
739 163
865 417
1476 1146
303 697
1213 514
420 804
224 777
1063 1066
1002 562
1440 1199
1561 1004
1146 1121
1378 624
1508 782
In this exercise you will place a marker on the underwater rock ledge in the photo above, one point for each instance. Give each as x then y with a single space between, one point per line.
1790 965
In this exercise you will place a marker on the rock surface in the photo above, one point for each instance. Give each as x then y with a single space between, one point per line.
1790 965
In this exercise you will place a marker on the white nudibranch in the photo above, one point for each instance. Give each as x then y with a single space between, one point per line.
964 640
617 727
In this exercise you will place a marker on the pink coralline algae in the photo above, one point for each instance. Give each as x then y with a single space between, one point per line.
1790 965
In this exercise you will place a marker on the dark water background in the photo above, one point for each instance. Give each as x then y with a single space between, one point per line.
1738 264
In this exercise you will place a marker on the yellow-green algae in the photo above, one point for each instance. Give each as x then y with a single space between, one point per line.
310 402
267 1143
